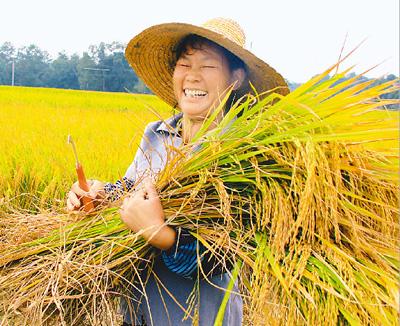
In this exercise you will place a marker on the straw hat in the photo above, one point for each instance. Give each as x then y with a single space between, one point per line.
152 54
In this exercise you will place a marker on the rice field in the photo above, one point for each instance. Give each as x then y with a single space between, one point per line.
306 191
37 164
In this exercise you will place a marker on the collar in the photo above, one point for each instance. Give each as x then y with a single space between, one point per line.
172 125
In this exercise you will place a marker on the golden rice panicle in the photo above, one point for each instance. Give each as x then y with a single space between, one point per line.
302 191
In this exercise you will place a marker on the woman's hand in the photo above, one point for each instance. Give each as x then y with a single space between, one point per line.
96 193
142 211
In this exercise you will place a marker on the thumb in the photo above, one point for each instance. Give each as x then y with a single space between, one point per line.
92 193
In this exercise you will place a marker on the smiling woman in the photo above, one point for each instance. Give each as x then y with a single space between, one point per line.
204 73
192 68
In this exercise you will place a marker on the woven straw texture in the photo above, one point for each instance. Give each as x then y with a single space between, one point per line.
152 54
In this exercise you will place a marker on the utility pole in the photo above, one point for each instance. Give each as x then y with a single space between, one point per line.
12 71
102 72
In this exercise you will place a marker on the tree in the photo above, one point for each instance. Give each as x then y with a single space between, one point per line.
120 77
112 68
63 72
7 54
31 66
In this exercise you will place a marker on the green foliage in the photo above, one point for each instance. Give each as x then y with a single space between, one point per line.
7 53
87 79
33 65
101 68
62 72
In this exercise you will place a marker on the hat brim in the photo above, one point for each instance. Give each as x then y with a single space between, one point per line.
151 54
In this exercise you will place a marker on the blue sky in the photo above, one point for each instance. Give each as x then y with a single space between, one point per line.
298 38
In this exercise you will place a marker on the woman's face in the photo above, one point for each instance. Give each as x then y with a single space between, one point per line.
201 78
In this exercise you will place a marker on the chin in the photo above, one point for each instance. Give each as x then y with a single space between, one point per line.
194 110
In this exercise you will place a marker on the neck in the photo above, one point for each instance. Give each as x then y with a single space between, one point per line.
190 127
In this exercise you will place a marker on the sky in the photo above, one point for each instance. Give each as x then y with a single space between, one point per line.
298 38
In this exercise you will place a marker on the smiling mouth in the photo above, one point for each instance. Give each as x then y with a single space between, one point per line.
196 93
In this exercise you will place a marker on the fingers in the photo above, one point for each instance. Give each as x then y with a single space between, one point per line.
149 188
124 206
75 195
125 203
97 189
74 199
138 198
70 206
143 194
73 202
134 199
78 191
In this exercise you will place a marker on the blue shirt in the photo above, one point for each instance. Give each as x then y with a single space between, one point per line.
176 268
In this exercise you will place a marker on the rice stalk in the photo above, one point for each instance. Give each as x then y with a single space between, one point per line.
302 189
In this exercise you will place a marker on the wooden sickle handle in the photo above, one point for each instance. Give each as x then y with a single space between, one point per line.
87 201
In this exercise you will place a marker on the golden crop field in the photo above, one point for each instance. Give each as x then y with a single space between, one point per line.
37 164
300 195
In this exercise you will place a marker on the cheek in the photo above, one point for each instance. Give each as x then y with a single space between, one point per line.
175 83
223 84
223 80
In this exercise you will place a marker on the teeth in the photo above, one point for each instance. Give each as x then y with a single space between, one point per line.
194 92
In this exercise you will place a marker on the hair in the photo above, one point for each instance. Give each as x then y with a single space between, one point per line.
197 42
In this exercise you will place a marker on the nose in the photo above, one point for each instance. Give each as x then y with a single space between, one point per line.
193 74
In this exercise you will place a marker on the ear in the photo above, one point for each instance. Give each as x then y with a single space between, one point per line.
238 76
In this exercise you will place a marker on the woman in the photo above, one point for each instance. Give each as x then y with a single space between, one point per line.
191 68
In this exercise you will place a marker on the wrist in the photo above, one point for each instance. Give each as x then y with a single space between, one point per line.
161 236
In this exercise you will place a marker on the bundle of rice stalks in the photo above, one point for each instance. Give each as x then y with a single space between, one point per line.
300 191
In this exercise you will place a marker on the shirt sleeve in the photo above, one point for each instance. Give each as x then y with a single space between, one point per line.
115 191
185 256
182 257
140 165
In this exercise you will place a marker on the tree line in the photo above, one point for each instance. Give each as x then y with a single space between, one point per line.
102 67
